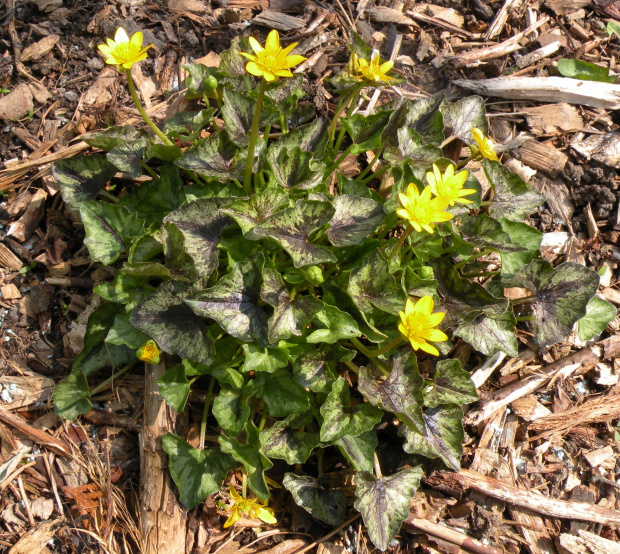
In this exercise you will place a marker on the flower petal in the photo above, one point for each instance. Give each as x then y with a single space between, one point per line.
105 49
428 348
266 515
288 49
136 40
273 41
436 318
121 36
282 73
435 335
294 59
254 69
255 45
425 305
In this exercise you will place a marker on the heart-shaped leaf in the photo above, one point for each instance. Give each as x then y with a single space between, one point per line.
174 387
315 496
400 393
599 313
202 223
310 138
291 228
463 116
234 301
560 296
173 325
282 394
124 333
238 114
442 437
384 502
513 198
355 220
81 178
295 168
485 232
284 441
253 461
108 139
451 385
333 325
231 409
341 419
360 450
264 359
126 156
424 116
366 130
215 156
314 367
72 396
197 473
413 147
373 285
525 236
186 126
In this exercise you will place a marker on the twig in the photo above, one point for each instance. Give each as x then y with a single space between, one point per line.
550 507
14 475
48 460
25 500
329 535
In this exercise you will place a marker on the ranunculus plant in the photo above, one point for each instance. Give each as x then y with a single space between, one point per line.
301 298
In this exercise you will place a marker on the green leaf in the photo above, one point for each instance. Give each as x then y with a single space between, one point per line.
238 114
400 393
366 131
163 152
253 461
451 385
485 232
290 317
215 156
295 168
126 157
425 117
513 199
310 138
486 322
463 116
173 325
234 301
315 496
291 228
585 71
125 289
233 63
114 136
186 126
174 387
81 178
197 473
333 325
284 441
599 313
282 394
384 502
613 28
110 229
72 396
231 409
355 220
179 263
358 46
286 93
360 450
442 437
264 359
413 148
144 248
524 235
202 224
340 418
314 367
124 333
414 285
373 285
251 212
560 296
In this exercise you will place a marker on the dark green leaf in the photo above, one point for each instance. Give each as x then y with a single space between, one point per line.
125 289
315 496
238 114
413 147
463 116
284 441
124 333
178 262
333 325
384 502
197 473
314 366
264 359
373 285
126 157
81 178
282 394
174 387
366 130
253 461
513 199
114 136
163 152
173 325
451 385
599 313
360 450
72 396
202 224
310 138
231 409
234 301
355 220
485 232
186 126
417 286
233 63
340 418
525 236
215 156
560 296
294 168
292 228
110 229
400 393
144 248
251 212
586 71
425 117
442 437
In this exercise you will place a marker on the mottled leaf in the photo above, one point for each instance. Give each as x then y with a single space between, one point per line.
366 130
72 396
315 496
333 325
599 313
215 156
463 116
451 385
284 441
314 367
231 409
126 156
282 394
295 168
360 450
174 387
355 220
485 232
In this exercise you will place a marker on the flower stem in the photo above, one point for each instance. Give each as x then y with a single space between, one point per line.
400 242
149 170
384 368
263 418
369 167
247 176
339 109
524 300
205 414
378 473
244 485
352 366
526 318
376 174
116 375
349 114
142 111
386 348
337 163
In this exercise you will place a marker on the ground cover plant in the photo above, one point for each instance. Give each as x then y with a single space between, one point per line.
314 307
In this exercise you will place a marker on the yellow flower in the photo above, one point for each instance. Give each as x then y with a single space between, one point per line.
418 325
449 186
251 508
124 51
485 146
374 71
149 353
272 61
421 210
